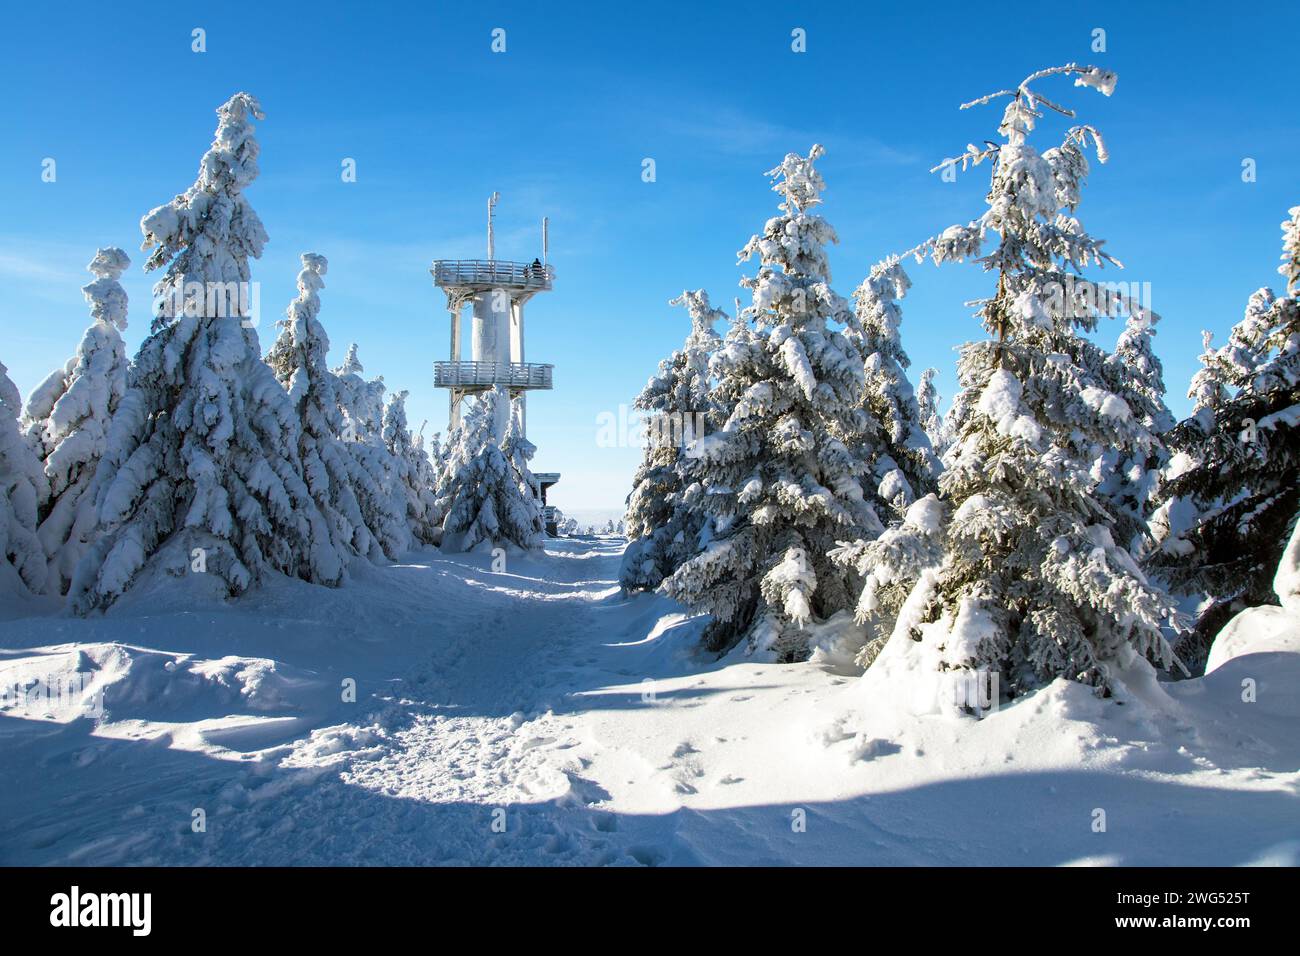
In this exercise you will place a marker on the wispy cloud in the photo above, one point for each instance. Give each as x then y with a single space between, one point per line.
731 132
26 267
40 271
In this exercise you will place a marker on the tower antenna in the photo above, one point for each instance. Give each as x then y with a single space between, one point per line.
492 246
546 239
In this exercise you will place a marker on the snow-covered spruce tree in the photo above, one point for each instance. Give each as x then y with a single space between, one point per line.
362 400
779 481
903 466
519 452
203 452
890 567
1128 481
1229 498
67 420
1210 392
928 404
375 471
663 525
298 359
902 463
487 504
23 486
433 455
416 480
1033 585
432 449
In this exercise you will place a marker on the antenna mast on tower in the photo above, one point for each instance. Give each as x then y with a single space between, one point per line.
492 205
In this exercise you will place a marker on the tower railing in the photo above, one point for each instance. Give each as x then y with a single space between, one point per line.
510 374
491 273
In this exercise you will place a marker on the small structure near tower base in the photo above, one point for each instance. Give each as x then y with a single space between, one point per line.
550 513
496 290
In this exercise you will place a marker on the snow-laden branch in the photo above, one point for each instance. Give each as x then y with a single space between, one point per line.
1102 80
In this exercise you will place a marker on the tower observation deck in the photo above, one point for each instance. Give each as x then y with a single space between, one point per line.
496 290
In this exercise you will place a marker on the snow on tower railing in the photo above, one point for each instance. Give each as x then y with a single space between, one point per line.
513 374
492 273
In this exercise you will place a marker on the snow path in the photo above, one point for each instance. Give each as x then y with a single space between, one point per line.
461 747
533 716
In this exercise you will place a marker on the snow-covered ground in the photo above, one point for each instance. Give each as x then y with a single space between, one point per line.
535 716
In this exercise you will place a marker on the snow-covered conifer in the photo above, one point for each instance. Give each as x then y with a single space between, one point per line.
1290 267
23 486
486 500
361 401
375 472
519 452
432 448
67 420
903 466
1033 585
779 481
928 404
298 359
663 525
416 481
1128 480
203 450
890 567
1209 388
1230 495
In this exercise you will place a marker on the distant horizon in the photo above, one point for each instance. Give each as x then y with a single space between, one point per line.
562 124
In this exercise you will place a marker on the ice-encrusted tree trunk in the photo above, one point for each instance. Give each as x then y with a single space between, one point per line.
203 452
375 471
662 522
486 503
779 481
68 416
416 480
23 486
1033 585
298 358
1230 496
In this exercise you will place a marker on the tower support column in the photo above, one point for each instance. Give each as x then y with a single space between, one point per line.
517 355
453 400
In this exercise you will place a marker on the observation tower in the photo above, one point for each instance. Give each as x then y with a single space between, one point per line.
496 290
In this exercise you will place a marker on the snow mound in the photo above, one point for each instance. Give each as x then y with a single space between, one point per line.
140 692
1256 630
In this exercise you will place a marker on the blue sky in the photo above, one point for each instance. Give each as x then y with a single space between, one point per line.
559 124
